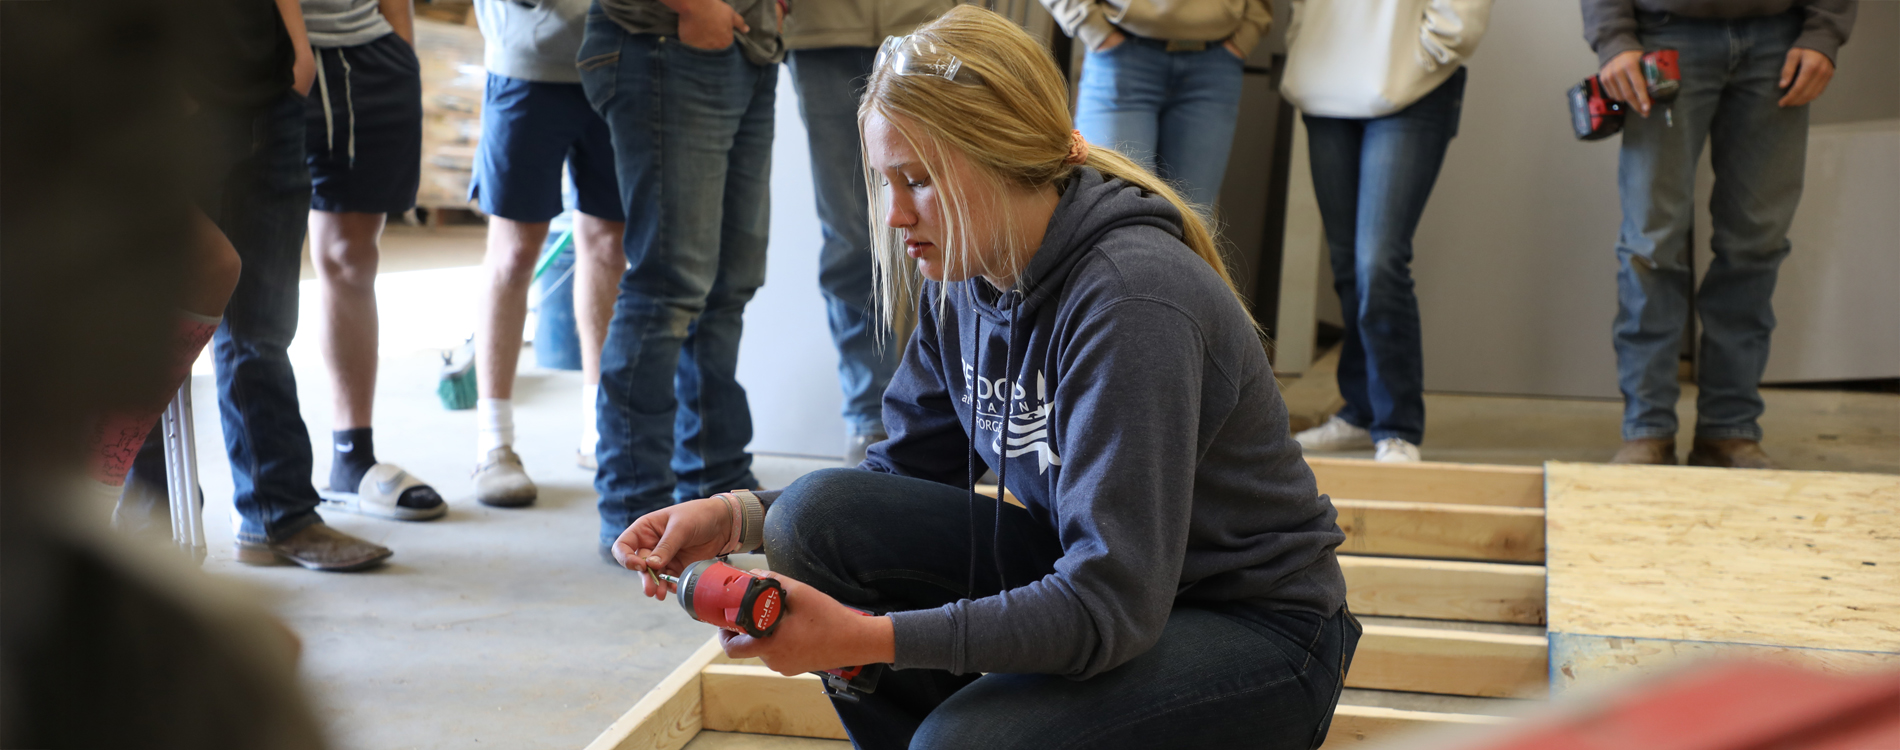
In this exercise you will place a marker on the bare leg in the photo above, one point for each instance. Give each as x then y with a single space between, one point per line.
344 248
513 247
599 263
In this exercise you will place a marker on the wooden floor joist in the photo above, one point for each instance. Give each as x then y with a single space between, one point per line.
1431 482
1355 726
1440 530
738 697
1451 662
1444 589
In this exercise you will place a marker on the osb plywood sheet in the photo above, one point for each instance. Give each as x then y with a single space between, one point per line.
1589 660
1770 558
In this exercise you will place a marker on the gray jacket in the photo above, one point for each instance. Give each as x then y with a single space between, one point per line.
533 41
1610 25
762 45
856 23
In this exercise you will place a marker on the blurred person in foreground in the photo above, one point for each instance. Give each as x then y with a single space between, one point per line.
105 642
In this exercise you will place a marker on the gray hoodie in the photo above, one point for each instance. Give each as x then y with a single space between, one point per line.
1610 25
1144 427
533 40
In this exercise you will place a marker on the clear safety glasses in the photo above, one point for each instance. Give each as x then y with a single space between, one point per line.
911 56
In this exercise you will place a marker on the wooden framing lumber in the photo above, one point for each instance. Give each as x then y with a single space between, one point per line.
757 700
668 716
1430 482
1455 662
1464 532
1356 726
717 694
1444 589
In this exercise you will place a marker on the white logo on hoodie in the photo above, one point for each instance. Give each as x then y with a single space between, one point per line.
1028 421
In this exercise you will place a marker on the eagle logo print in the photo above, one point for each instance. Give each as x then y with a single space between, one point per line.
1018 431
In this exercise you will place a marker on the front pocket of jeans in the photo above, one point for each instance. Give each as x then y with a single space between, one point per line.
716 54
597 61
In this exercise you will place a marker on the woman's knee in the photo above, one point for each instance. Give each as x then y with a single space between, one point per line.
807 514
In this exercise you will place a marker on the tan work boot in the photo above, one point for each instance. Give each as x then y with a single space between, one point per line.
500 481
1654 451
317 547
1732 453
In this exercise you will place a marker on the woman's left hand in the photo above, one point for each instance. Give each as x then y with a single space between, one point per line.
815 633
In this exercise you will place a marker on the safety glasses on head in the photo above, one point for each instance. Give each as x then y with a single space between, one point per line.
911 56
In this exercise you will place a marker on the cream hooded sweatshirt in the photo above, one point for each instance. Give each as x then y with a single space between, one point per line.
1370 58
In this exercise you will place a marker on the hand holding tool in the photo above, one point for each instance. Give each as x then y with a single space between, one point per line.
716 593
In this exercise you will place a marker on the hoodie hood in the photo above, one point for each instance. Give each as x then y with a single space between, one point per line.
1091 206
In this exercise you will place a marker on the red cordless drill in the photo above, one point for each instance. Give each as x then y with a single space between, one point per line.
1594 115
718 594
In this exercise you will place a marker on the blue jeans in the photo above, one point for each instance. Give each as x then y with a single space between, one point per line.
1172 111
1229 674
1372 178
262 203
692 137
1729 73
829 82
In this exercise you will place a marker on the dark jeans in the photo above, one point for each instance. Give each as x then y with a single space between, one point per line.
1730 75
1372 178
829 82
692 137
262 203
1223 674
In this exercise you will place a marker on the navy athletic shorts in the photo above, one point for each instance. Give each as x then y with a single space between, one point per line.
529 129
363 127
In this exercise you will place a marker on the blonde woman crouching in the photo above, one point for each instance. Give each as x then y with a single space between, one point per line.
1169 579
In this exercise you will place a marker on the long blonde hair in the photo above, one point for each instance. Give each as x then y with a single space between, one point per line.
1013 128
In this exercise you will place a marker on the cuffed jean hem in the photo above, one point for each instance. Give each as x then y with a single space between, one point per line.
1650 433
285 529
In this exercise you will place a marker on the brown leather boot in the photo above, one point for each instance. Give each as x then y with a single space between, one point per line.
1732 453
317 547
1655 451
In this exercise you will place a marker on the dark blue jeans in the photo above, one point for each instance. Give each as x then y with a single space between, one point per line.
1372 178
829 82
1223 674
1730 72
262 203
692 137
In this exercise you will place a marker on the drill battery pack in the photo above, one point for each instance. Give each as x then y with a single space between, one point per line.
1593 115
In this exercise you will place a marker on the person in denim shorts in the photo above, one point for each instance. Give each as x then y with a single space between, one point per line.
535 118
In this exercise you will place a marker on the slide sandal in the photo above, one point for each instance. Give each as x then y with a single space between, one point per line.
376 496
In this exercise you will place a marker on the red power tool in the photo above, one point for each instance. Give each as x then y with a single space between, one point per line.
716 593
1594 115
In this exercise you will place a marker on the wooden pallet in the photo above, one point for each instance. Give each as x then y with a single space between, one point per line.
1433 541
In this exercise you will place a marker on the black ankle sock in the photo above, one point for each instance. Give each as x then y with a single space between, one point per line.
355 454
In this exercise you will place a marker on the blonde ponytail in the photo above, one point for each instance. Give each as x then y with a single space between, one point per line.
1013 127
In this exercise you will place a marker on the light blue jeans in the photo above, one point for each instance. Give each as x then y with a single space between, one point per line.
1172 111
1730 71
829 81
692 137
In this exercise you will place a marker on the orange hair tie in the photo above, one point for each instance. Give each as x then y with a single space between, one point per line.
1078 148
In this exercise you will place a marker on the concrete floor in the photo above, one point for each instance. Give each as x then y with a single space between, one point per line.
502 628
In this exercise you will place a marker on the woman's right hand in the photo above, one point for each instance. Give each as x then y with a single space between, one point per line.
669 539
1113 40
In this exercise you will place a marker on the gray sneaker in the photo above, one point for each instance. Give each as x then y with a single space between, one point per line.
856 445
500 481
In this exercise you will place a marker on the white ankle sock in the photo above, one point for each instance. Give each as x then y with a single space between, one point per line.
590 417
494 425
